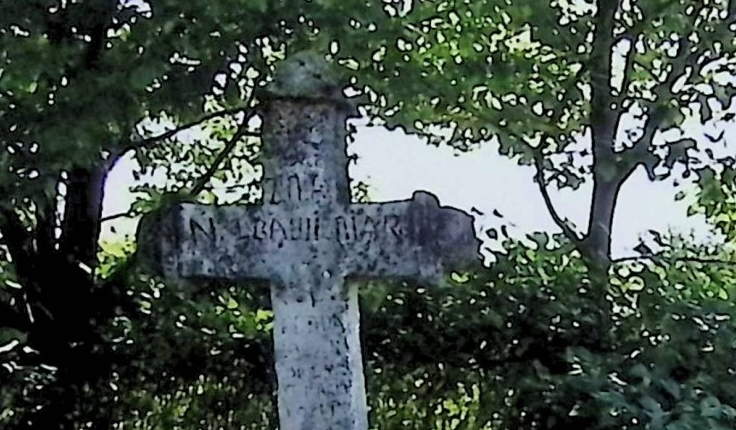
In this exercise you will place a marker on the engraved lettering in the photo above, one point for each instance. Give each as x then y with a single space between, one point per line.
337 322
308 228
287 189
354 226
316 189
271 185
233 227
370 229
208 233
295 227
277 229
242 226
295 188
259 230
392 224
341 229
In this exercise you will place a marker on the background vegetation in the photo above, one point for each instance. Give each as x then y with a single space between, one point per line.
554 335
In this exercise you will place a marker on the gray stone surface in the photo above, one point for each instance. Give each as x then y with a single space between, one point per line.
306 239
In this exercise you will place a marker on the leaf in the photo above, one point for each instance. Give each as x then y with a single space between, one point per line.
141 77
652 406
672 387
710 407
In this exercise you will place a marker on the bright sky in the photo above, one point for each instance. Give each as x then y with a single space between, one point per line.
395 165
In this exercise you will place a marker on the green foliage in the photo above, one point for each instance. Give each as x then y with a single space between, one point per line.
517 346
524 71
533 348
716 199
527 344
83 84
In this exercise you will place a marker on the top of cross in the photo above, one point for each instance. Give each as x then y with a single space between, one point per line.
304 149
307 75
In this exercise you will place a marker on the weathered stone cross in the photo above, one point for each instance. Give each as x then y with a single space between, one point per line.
305 240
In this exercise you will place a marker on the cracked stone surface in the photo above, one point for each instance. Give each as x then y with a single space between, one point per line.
307 239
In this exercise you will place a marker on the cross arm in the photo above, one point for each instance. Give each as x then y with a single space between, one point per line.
190 240
414 238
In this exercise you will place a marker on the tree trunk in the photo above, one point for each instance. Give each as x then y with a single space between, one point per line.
82 214
64 306
597 244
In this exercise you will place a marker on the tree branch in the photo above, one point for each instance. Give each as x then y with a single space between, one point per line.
17 239
602 118
202 181
11 314
150 141
685 59
205 178
561 224
659 257
44 231
128 214
628 64
97 35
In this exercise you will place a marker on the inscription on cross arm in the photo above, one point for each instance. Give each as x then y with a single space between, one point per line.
306 239
385 239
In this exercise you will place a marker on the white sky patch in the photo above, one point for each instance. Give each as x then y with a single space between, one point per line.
9 346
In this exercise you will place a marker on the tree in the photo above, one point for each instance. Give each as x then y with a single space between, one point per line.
83 84
583 90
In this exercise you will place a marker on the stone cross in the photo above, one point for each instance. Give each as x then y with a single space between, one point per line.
306 239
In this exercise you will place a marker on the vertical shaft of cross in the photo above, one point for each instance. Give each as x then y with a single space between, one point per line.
316 332
318 358
305 161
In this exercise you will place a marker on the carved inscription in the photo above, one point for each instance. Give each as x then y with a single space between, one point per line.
366 228
206 233
342 228
316 323
294 188
323 326
275 229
